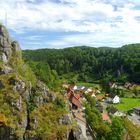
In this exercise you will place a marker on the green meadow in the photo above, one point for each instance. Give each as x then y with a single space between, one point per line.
128 103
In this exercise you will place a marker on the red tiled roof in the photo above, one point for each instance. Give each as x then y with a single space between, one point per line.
99 97
77 95
76 102
71 86
69 95
105 116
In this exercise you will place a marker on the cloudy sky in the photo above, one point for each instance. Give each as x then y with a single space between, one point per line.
65 23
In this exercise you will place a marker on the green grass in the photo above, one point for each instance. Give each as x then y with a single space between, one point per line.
89 85
128 103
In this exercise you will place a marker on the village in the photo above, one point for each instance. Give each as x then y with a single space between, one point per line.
105 104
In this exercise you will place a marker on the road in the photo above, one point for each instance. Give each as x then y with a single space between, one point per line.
134 118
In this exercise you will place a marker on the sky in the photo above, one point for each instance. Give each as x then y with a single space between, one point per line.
65 23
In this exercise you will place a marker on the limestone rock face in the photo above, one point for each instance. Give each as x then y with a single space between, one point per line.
7 46
20 97
5 70
44 94
17 95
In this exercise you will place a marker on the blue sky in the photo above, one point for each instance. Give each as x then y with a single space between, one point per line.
66 23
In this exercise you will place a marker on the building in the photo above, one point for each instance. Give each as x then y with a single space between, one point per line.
137 110
115 99
75 103
74 100
100 97
78 88
105 116
99 107
112 110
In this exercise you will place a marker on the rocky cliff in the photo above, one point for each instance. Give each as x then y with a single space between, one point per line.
29 111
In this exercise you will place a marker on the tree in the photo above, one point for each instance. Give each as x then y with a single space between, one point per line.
117 129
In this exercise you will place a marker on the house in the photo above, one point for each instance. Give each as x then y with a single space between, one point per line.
113 99
127 85
93 94
78 88
78 95
75 103
136 110
69 94
74 100
113 85
115 112
105 116
119 114
100 97
112 110
98 91
99 107
88 90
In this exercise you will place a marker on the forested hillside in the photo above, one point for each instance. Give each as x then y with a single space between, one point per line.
86 64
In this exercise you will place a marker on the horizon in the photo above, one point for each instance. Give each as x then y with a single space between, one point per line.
81 46
38 24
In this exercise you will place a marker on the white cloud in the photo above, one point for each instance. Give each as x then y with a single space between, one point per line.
103 19
48 15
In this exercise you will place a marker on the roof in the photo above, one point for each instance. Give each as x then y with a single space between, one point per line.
66 86
80 87
99 97
107 95
77 95
79 116
74 98
137 108
69 95
100 108
71 87
86 88
105 116
76 102
112 95
112 110
98 103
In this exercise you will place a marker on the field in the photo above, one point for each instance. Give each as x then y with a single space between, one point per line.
128 103
89 85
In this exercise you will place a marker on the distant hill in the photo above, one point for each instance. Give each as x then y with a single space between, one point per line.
88 64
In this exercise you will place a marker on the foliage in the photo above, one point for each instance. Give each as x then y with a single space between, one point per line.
87 64
101 130
48 122
60 103
117 129
91 100
133 131
22 69
44 73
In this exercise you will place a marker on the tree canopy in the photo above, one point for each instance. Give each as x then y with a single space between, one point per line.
86 64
